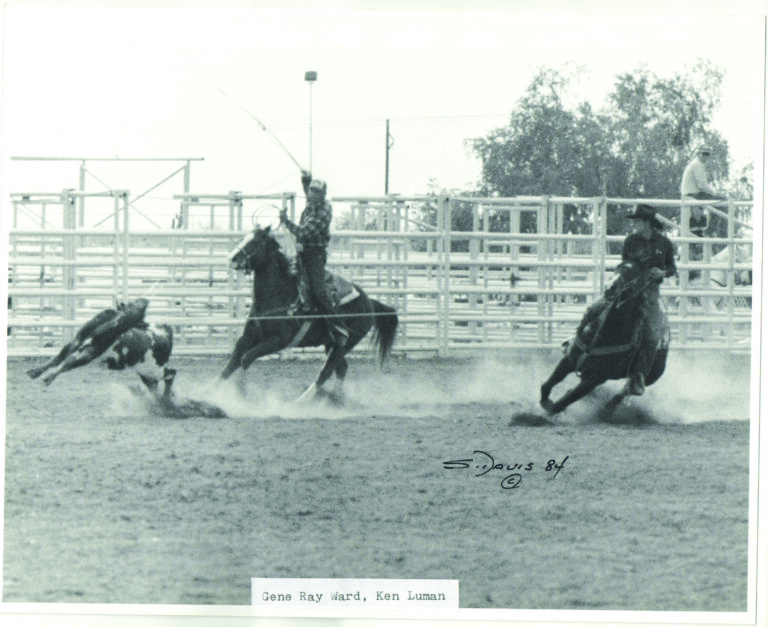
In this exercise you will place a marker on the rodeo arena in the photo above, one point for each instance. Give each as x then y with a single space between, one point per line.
377 477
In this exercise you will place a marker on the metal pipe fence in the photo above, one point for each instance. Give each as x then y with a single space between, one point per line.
463 273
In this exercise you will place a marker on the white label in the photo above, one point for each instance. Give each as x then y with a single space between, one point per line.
355 593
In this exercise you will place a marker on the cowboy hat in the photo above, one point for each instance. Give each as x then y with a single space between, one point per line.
646 212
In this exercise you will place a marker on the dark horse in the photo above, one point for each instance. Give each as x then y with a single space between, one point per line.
270 329
605 344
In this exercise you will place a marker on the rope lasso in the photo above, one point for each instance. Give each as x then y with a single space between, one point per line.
321 316
255 119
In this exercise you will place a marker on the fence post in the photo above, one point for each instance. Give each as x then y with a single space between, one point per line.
731 271
474 249
235 209
544 228
603 242
124 194
685 258
69 222
486 245
444 211
596 257
115 244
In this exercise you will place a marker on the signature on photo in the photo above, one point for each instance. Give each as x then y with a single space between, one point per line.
482 463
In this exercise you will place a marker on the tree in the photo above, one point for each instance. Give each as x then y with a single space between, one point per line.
545 148
742 185
657 125
636 146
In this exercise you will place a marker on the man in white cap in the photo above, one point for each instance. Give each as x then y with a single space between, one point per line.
655 254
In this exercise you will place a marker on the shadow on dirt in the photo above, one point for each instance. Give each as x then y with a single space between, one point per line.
530 419
140 401
630 413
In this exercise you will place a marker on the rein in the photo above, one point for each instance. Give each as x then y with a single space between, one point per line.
637 292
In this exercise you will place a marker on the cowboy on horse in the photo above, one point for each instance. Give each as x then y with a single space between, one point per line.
312 236
655 254
622 334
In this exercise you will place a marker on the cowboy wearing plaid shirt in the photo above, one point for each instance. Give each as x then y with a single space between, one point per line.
312 236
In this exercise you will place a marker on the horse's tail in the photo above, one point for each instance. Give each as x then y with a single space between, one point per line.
385 329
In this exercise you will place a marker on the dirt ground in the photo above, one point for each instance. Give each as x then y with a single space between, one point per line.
107 501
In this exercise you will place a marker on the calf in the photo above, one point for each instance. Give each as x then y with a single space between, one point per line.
146 349
94 338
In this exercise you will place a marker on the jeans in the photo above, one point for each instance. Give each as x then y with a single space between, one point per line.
313 260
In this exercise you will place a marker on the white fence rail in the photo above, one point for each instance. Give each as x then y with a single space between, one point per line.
489 286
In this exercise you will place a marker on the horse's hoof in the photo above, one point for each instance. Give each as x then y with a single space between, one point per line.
616 401
34 372
337 398
547 405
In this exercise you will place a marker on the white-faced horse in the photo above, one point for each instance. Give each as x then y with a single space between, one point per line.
717 279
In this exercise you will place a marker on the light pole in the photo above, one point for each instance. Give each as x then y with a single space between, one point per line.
310 77
390 141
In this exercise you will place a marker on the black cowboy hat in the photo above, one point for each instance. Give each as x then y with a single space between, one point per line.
646 212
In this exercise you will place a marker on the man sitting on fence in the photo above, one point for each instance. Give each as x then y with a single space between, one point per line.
695 185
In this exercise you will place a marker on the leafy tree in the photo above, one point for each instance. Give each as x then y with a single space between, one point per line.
742 185
545 148
657 125
636 146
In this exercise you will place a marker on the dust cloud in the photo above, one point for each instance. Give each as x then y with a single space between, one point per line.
702 387
696 387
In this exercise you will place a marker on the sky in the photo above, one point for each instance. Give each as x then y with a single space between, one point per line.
202 82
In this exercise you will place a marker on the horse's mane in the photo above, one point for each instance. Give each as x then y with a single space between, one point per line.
280 257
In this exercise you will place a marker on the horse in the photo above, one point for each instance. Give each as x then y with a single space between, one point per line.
270 329
741 254
718 279
606 344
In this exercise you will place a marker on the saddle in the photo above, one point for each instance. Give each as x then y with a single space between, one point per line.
338 288
586 335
